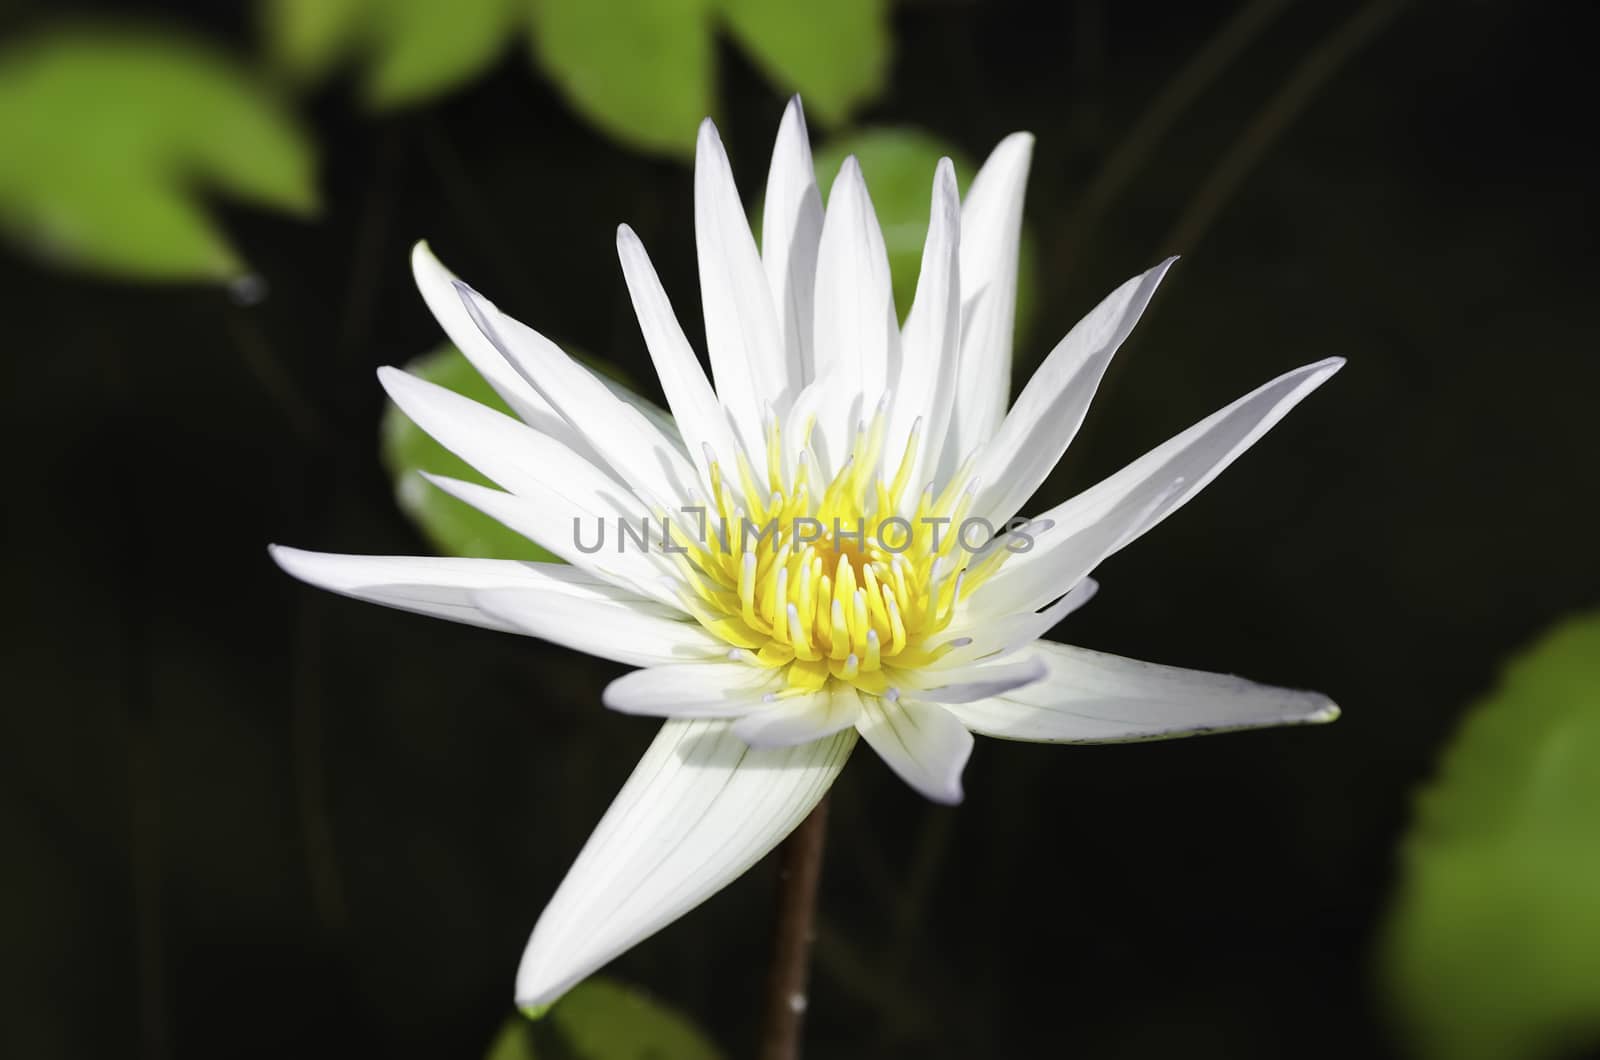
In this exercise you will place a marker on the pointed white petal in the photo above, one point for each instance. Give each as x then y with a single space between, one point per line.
818 415
511 454
922 742
1090 697
999 634
966 684
724 688
637 635
441 587
801 719
1028 586
856 330
700 417
991 237
747 353
658 417
642 457
581 523
700 809
1052 406
437 285
791 225
559 500
930 346
1162 480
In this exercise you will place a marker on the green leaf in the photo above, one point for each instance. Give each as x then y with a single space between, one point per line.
645 75
109 137
424 47
414 49
1493 948
602 1019
835 53
898 165
644 72
307 39
454 528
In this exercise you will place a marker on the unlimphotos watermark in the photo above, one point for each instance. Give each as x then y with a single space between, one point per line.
894 534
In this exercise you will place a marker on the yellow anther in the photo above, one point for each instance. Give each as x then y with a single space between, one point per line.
897 626
838 632
824 607
840 606
908 461
859 625
798 639
747 588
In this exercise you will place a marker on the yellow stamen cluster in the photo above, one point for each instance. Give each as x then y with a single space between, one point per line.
831 579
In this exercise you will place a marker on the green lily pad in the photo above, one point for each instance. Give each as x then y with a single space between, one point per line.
644 74
112 136
413 49
835 53
602 1019
1493 948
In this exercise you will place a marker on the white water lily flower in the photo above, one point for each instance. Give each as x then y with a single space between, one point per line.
902 623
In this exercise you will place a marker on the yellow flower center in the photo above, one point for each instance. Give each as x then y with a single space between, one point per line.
838 579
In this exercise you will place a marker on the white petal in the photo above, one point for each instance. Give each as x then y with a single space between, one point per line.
658 417
922 742
1051 407
969 683
1191 459
931 344
437 285
643 458
511 454
639 636
998 634
791 225
724 688
748 360
700 809
991 238
1090 697
581 523
856 332
700 417
816 415
801 719
559 499
1028 586
430 585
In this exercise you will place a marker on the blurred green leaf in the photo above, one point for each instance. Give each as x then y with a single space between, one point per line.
602 1019
644 72
415 49
898 164
109 138
307 39
835 53
644 75
454 528
1494 944
424 47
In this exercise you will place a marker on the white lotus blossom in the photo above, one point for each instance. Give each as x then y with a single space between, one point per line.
771 654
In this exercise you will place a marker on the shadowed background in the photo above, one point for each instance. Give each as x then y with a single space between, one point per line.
245 818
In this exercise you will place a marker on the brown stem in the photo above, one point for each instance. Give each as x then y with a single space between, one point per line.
799 870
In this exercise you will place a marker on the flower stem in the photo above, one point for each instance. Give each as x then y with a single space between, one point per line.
799 870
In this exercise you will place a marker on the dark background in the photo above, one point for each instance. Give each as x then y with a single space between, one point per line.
246 818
